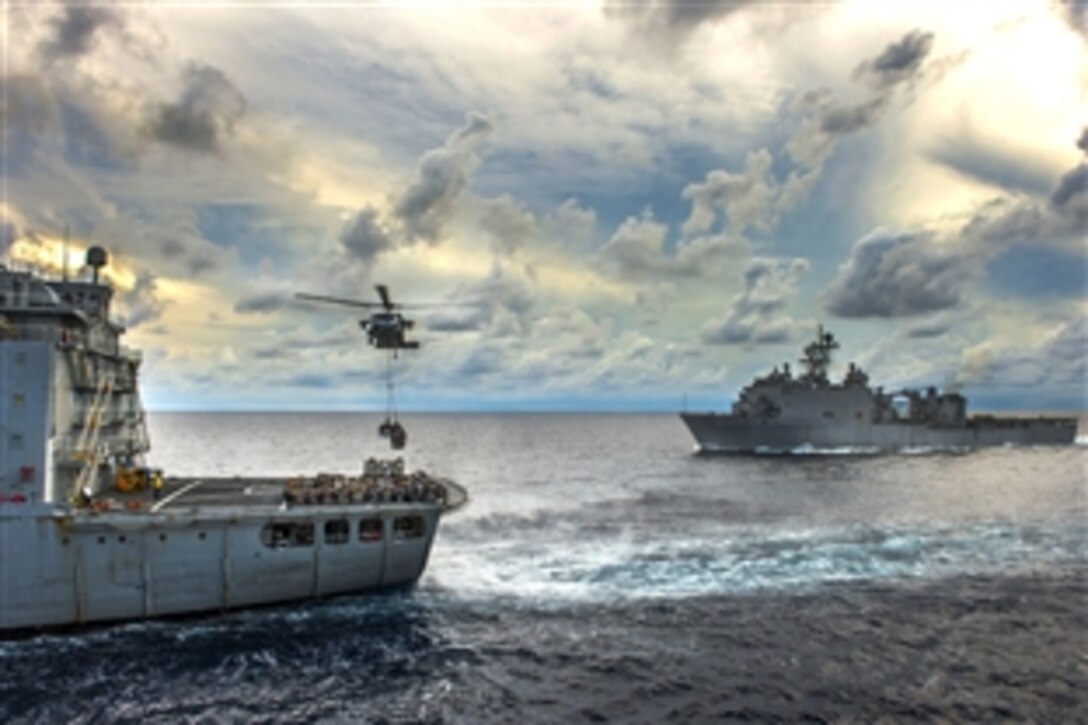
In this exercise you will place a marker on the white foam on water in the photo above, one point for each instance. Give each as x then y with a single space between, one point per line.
633 569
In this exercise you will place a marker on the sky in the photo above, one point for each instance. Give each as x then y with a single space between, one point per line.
617 206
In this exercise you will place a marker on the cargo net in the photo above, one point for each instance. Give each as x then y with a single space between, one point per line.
381 482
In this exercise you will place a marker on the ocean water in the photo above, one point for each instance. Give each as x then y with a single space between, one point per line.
602 572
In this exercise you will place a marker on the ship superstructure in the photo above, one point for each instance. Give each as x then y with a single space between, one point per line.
88 533
783 412
71 417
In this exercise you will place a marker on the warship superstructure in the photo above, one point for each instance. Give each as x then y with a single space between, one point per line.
782 413
89 533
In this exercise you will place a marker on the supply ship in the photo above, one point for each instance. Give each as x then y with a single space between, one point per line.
783 413
90 534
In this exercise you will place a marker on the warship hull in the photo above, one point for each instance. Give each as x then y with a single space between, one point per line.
725 433
63 568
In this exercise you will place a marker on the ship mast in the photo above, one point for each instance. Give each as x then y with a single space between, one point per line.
817 357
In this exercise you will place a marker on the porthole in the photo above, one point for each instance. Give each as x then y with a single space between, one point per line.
408 527
370 530
287 534
336 531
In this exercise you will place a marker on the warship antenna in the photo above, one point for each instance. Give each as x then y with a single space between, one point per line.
818 355
64 254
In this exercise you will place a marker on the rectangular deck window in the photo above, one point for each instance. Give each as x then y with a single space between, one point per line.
336 531
408 527
370 530
287 534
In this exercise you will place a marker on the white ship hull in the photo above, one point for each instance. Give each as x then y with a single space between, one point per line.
61 568
722 433
84 536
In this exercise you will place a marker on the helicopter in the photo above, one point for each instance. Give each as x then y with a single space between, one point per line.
384 329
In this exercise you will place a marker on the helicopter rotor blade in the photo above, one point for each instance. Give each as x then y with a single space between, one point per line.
336 300
383 292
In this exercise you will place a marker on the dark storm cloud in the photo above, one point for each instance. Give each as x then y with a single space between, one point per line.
840 120
1082 140
209 107
1000 223
1071 188
900 61
430 201
74 31
1075 13
364 237
898 275
829 120
757 315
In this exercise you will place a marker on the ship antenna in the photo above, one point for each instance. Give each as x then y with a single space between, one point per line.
64 254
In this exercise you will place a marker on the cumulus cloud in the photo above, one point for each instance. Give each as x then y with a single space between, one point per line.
142 303
904 274
510 225
428 204
745 198
208 109
757 315
1057 361
637 251
573 224
898 274
364 237
499 305
74 31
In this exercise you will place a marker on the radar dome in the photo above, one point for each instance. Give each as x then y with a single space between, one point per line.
97 257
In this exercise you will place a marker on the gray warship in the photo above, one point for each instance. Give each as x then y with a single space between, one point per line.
90 534
783 413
